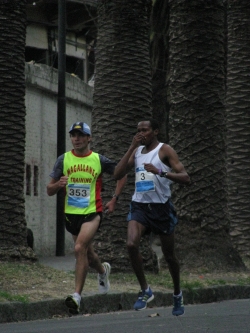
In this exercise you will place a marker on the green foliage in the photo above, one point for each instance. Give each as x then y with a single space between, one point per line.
219 282
243 281
191 285
5 296
22 282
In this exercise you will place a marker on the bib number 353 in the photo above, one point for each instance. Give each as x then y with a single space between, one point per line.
78 195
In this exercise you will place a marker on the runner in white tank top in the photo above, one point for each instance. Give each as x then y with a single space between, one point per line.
156 166
149 187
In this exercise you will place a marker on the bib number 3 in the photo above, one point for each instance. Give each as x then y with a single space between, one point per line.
144 181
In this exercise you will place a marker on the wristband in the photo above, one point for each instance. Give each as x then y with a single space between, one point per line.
162 173
115 196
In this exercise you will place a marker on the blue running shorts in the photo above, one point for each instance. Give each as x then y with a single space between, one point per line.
155 217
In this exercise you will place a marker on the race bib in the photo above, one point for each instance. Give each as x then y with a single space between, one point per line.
144 181
78 195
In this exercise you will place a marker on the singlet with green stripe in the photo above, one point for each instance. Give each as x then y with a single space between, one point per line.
84 184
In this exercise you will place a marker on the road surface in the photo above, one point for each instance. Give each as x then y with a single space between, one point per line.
224 317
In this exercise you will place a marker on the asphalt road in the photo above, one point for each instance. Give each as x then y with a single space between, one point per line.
222 317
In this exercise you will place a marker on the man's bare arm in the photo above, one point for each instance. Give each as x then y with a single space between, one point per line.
125 164
179 175
169 157
127 161
110 206
56 185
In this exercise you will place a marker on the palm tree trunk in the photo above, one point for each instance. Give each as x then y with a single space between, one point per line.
198 131
13 231
122 98
238 124
159 61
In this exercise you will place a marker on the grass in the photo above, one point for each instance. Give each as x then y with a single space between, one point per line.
18 298
24 282
243 281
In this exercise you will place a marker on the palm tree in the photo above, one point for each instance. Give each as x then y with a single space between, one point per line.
198 131
238 123
13 231
122 97
159 60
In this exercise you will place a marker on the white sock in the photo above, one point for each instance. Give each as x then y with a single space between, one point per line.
147 290
78 296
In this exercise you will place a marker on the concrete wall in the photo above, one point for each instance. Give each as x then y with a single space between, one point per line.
41 147
37 37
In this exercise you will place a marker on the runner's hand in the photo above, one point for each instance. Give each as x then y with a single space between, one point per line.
151 168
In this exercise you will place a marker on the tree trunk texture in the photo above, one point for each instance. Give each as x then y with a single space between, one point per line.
13 230
197 132
238 124
122 98
159 61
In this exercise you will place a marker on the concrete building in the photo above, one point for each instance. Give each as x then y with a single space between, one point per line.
41 105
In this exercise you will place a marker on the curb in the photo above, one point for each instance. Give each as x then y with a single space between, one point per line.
54 308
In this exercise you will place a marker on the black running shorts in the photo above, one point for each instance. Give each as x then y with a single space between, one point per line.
73 222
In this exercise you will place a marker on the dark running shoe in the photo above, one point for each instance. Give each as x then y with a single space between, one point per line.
144 297
178 308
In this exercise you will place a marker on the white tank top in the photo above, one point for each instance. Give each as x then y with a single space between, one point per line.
150 188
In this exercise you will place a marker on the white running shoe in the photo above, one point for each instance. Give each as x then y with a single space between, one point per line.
73 304
103 279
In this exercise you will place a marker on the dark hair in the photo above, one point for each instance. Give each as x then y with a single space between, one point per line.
153 122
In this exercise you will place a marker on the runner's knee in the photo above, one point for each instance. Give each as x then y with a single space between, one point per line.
80 249
132 246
